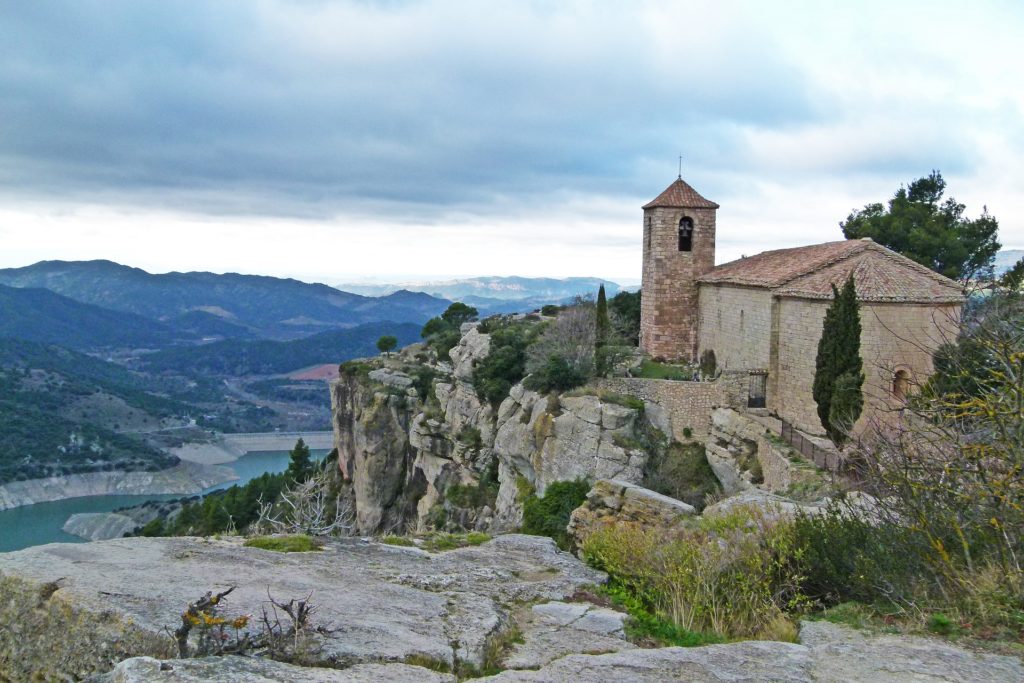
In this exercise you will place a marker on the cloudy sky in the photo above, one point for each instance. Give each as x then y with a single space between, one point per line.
335 141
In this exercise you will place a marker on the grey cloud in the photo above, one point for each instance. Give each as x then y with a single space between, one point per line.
427 106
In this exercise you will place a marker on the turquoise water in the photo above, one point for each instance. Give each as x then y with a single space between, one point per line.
30 525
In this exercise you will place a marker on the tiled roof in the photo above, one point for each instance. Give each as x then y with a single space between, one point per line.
679 195
809 272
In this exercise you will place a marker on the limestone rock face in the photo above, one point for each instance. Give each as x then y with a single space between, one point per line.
471 347
372 438
254 670
610 502
404 457
110 600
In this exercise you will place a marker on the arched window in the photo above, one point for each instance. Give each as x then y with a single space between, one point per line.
901 385
685 234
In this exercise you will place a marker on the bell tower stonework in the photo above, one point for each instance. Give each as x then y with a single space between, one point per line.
679 247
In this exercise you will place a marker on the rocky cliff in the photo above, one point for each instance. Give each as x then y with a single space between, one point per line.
438 455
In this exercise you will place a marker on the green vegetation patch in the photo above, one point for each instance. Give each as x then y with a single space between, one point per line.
682 472
650 369
548 516
299 543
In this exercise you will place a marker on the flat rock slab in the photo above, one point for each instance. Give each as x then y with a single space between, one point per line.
380 603
254 670
555 629
827 653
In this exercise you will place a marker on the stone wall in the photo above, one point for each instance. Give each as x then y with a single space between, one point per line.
668 315
686 404
893 336
736 323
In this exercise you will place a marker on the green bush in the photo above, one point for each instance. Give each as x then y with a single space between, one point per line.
505 364
556 374
848 558
549 516
550 309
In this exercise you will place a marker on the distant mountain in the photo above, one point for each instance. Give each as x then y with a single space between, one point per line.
40 315
1006 259
547 290
273 307
238 358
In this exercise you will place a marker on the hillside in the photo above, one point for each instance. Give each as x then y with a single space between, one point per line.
237 358
274 307
42 316
62 410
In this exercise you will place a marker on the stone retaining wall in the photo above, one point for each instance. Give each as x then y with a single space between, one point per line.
688 404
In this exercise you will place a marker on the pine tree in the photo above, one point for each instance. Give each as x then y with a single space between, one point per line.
301 466
839 376
602 327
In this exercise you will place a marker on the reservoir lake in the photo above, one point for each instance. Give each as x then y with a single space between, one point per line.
29 525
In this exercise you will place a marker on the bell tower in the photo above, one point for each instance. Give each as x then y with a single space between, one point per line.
679 247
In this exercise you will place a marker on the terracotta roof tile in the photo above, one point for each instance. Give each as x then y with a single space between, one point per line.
809 272
679 195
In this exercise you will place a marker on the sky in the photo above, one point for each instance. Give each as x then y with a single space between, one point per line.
404 140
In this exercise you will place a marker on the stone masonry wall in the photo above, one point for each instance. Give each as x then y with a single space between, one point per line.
736 322
668 315
893 336
687 404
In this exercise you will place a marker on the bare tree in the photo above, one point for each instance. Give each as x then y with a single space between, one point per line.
569 337
308 507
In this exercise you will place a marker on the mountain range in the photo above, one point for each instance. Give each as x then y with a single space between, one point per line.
240 305
487 291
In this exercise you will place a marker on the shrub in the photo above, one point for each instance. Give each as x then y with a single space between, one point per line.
549 516
550 309
505 364
391 539
556 374
732 575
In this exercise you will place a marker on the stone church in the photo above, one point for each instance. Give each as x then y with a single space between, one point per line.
762 315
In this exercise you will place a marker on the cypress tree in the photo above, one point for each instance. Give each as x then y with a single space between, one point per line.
839 376
602 326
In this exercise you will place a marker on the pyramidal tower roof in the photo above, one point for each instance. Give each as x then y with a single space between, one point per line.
679 195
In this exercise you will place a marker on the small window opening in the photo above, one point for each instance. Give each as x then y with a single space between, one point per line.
647 231
685 234
901 384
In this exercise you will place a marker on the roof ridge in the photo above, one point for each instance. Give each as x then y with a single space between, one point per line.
894 255
821 265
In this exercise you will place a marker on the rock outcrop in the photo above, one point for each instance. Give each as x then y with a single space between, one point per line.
610 502
236 669
70 610
404 455
827 653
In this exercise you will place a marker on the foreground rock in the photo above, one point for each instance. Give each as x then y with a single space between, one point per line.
78 609
253 670
827 653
